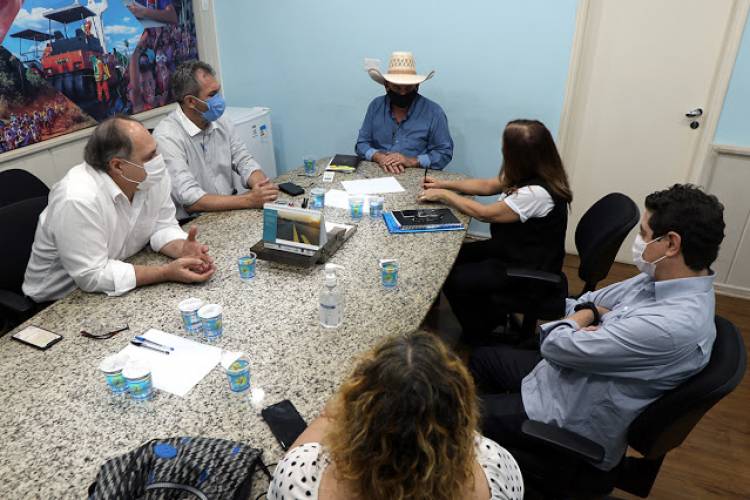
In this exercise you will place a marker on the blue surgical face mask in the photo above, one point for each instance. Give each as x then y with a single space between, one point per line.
216 107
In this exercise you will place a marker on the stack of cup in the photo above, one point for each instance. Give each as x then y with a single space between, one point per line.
356 203
308 162
389 273
317 198
138 377
211 321
112 367
189 312
376 207
246 266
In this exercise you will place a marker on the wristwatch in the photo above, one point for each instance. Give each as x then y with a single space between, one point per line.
591 307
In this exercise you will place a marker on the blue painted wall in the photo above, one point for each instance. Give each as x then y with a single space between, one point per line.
734 123
494 61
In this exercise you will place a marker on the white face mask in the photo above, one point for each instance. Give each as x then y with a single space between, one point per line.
639 246
154 168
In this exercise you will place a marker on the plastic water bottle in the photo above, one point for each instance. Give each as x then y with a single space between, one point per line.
331 300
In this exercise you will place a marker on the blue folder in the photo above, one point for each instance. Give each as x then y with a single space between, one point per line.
390 223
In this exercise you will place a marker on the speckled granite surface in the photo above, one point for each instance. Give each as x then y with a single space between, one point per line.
59 422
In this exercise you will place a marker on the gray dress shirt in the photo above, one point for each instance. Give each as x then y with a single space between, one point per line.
595 383
199 161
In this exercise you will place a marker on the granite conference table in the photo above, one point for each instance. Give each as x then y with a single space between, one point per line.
59 424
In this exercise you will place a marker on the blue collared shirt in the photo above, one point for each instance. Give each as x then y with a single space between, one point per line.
595 383
424 133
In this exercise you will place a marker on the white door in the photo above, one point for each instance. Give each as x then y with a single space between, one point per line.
640 66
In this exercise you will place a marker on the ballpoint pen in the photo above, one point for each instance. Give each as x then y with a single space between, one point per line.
148 341
140 343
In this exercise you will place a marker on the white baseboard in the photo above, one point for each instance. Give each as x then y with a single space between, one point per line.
732 290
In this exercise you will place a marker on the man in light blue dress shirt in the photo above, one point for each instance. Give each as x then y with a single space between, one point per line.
203 151
619 348
404 129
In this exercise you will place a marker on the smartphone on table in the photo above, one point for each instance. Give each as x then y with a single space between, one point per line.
285 422
37 337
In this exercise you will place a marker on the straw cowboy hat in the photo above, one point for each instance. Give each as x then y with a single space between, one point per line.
401 71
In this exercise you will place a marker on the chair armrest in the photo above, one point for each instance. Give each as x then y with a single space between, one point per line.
15 302
534 275
566 441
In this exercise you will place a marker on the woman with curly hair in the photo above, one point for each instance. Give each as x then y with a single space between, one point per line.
402 426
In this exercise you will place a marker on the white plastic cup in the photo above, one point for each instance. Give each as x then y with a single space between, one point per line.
211 321
189 312
112 367
138 377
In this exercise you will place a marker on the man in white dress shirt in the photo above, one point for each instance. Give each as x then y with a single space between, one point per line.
202 149
106 210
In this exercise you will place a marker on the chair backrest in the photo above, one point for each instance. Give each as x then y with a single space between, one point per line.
17 185
18 223
665 423
600 233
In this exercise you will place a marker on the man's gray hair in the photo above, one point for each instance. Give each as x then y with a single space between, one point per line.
184 82
108 141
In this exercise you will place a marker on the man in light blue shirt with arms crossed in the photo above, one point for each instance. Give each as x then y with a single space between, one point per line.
622 347
404 129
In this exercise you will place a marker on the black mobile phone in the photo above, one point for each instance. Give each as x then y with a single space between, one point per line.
285 422
291 188
37 337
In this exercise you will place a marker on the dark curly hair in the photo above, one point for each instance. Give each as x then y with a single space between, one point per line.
696 216
404 422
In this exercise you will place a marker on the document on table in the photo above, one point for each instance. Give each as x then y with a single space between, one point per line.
179 371
337 198
378 185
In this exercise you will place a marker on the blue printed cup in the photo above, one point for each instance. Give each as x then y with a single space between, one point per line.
112 367
389 274
138 377
247 267
189 312
211 321
238 374
376 207
318 198
308 162
356 204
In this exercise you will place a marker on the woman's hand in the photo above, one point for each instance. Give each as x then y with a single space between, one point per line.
434 195
432 183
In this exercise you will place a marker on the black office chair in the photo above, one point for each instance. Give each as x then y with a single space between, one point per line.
599 234
557 463
18 222
17 185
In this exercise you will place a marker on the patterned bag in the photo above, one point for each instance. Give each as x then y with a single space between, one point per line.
180 467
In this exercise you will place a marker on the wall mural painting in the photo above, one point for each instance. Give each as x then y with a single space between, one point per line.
68 64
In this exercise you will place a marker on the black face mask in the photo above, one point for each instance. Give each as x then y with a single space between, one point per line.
402 101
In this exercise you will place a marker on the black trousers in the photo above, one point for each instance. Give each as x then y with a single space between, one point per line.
476 275
498 372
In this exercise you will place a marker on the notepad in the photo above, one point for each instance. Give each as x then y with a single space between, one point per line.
179 371
343 163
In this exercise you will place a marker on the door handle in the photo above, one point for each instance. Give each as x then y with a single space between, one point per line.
694 113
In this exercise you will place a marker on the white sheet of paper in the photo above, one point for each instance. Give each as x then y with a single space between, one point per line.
373 186
180 371
337 198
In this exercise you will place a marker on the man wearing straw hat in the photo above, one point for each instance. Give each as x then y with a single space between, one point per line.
403 129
